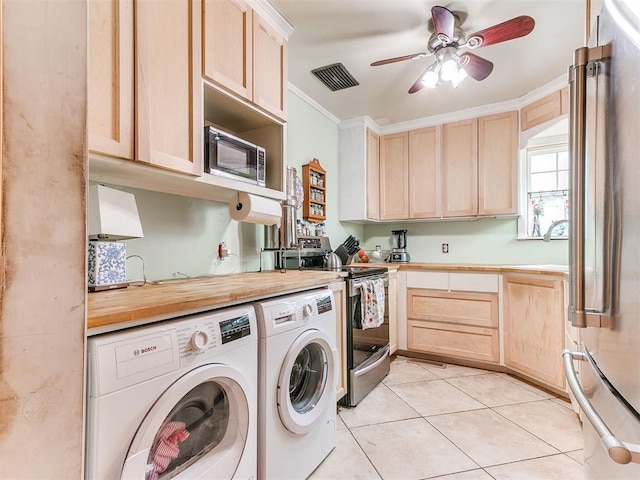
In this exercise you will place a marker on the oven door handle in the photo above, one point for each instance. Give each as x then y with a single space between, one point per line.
382 353
356 286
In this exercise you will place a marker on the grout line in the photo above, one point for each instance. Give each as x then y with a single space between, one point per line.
486 407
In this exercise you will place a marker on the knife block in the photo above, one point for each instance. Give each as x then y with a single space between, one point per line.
341 251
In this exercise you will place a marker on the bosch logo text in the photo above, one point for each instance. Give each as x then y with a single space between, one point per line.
137 352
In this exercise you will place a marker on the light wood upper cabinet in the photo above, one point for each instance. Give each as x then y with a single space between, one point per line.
547 108
460 168
358 172
168 90
394 176
243 54
269 68
498 164
534 327
373 175
227 53
424 173
166 101
110 77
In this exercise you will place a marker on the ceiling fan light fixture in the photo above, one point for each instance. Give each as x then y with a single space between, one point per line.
459 77
431 79
449 69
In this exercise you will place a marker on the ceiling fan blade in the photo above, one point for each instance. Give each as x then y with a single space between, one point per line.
443 21
413 56
514 28
418 85
476 67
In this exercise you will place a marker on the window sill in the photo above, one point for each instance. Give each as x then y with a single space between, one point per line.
540 238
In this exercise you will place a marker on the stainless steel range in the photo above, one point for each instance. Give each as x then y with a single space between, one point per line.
368 359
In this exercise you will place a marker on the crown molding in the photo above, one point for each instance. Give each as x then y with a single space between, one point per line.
273 16
481 111
312 103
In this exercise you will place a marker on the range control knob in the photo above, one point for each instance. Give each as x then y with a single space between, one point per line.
307 310
199 339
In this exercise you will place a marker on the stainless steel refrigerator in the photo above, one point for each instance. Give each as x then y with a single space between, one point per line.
604 252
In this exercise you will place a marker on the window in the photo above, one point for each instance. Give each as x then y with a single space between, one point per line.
547 180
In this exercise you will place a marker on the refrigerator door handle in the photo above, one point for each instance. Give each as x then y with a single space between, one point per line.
579 315
619 451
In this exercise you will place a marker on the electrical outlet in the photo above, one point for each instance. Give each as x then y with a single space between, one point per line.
445 248
223 251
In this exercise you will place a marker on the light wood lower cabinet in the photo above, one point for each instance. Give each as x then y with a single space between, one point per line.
391 311
457 324
533 327
339 290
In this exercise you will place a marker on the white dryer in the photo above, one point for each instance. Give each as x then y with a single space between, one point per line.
296 384
175 399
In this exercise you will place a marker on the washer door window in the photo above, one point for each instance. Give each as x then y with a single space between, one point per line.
306 386
204 414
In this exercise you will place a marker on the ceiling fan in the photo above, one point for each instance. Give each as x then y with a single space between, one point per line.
448 38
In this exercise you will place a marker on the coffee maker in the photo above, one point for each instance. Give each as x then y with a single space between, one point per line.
399 252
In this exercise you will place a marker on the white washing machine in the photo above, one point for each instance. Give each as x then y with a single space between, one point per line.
296 384
175 400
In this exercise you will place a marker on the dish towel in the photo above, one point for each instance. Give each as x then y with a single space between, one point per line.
166 448
372 301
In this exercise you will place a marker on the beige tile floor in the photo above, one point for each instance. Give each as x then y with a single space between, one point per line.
455 423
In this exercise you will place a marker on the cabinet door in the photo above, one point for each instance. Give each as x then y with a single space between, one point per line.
168 84
534 327
460 168
498 164
110 77
269 68
392 311
541 111
424 173
373 176
227 47
394 176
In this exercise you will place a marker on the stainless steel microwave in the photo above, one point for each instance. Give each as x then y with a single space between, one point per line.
232 157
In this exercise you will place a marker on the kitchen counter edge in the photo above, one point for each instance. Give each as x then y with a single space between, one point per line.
553 270
134 306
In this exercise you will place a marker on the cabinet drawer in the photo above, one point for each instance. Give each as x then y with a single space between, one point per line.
474 282
462 308
453 340
435 280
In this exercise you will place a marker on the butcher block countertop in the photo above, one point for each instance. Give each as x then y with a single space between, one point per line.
115 309
553 270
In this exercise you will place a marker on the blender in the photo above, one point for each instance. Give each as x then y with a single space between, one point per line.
399 252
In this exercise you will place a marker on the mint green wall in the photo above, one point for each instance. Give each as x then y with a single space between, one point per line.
486 241
311 134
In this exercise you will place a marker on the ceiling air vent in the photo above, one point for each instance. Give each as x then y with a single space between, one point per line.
335 77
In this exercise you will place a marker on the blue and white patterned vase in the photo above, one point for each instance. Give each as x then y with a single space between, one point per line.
107 263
